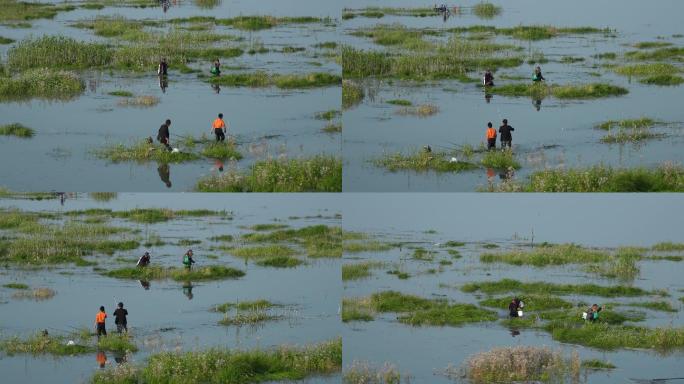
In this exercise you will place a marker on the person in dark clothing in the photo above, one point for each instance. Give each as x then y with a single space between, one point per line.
513 308
163 134
164 171
120 319
506 137
163 68
100 325
144 260
491 137
488 79
538 75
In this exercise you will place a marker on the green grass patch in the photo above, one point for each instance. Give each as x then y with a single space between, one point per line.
328 115
13 10
243 305
547 255
321 173
359 271
231 366
357 309
485 10
222 150
268 227
58 52
510 285
647 70
533 302
16 129
401 102
601 178
667 258
225 238
651 44
352 94
120 93
332 128
500 160
249 317
39 344
422 161
630 136
16 286
212 272
642 122
452 243
663 306
661 54
42 84
366 246
663 80
6 40
262 251
610 337
539 91
263 79
279 262
668 246
143 152
597 364
422 110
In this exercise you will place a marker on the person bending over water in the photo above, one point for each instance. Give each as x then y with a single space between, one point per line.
538 75
488 79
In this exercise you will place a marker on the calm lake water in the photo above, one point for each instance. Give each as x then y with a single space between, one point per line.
172 315
552 134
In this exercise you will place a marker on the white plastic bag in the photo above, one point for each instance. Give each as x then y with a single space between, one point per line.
520 313
584 315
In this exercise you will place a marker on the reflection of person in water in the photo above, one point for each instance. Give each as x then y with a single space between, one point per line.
488 97
145 284
537 104
187 290
218 165
120 358
216 88
101 359
163 83
165 174
490 174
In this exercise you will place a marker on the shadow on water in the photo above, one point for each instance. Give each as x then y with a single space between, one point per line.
187 290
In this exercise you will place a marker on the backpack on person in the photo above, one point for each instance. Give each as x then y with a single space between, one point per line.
186 260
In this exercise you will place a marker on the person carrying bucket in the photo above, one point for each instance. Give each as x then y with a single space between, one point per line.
188 261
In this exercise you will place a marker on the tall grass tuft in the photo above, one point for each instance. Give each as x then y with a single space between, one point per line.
485 10
16 129
43 84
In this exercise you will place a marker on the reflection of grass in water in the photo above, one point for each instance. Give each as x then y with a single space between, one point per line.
280 262
232 366
263 79
359 271
597 364
522 363
13 10
41 83
668 246
366 373
16 129
261 252
352 94
601 178
423 110
139 101
540 287
38 294
357 309
321 173
500 160
533 302
539 91
486 10
212 272
609 337
422 161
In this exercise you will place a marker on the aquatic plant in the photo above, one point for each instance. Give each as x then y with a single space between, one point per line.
328 115
366 246
422 161
139 101
16 129
14 10
597 364
321 173
661 54
332 128
486 10
143 152
268 227
42 84
121 93
663 306
222 150
522 363
212 272
540 287
357 309
263 251
539 91
231 366
533 302
249 317
642 122
423 110
16 286
283 81
649 69
663 80
448 314
243 305
279 262
352 94
651 44
38 294
601 178
609 337
58 52
357 271
401 102
500 160
6 40
365 373
668 246
117 343
547 255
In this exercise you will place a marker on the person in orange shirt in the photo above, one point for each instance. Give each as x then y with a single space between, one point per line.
100 322
219 128
491 137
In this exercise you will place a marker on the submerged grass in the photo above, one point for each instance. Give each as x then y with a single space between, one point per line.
357 309
422 161
231 366
139 101
321 173
539 91
279 262
16 129
522 364
601 178
243 305
365 373
38 294
352 94
212 272
423 110
540 287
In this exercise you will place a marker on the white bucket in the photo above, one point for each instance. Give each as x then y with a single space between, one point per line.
584 315
520 313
